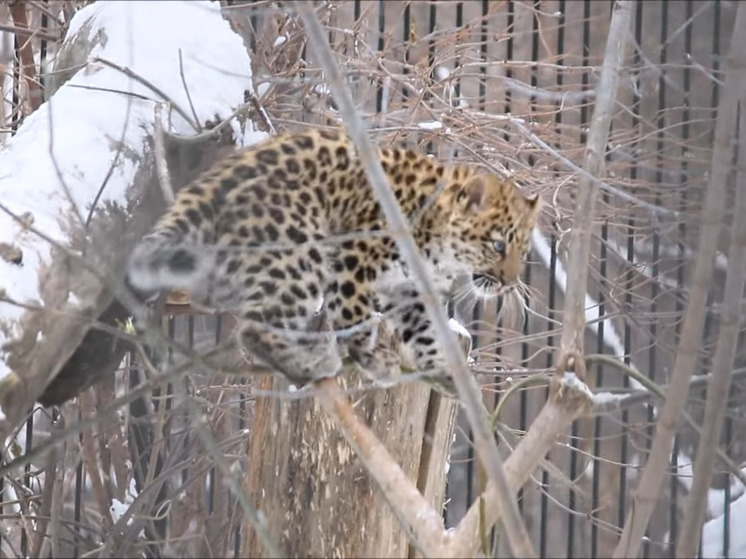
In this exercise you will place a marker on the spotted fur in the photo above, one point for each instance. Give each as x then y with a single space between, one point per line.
290 226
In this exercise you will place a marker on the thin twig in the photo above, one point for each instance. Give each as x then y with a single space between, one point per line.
35 33
469 393
653 390
155 89
261 111
201 137
215 358
567 402
587 176
186 90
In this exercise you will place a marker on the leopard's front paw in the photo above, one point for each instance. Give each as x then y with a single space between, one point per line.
382 365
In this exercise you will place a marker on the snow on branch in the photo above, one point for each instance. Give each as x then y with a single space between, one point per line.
77 181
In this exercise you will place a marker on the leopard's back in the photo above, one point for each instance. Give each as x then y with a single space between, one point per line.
278 231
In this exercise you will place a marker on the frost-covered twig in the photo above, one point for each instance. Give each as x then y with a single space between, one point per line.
652 390
585 202
651 481
161 165
202 136
465 384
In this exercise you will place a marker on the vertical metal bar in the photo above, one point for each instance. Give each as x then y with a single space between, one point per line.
483 52
459 24
15 107
407 32
78 502
381 44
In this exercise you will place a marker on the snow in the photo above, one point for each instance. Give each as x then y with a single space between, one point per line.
442 73
592 318
118 508
572 380
79 128
430 125
713 529
279 41
716 498
459 328
461 331
713 532
606 398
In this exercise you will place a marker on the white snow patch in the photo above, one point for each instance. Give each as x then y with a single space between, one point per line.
442 73
118 508
81 126
611 337
430 125
262 88
279 41
716 498
713 532
606 398
459 328
572 380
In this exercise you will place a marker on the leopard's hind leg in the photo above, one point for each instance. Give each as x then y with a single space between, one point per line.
281 293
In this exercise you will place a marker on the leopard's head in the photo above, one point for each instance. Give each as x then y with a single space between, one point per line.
489 230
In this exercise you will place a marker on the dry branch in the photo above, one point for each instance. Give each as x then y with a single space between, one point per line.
651 481
467 389
722 366
573 329
567 401
26 53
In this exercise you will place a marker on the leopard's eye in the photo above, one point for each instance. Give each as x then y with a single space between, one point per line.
499 246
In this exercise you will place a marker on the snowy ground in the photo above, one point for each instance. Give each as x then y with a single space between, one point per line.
53 168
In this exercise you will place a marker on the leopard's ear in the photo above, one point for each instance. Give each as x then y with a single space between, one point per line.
473 195
533 202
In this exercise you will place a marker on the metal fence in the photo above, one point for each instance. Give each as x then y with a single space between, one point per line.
504 83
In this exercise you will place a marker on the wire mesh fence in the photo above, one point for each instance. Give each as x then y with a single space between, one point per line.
508 85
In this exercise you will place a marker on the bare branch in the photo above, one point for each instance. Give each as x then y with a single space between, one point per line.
725 353
651 481
158 91
567 402
585 202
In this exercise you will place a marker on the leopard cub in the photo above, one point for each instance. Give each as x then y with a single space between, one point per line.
281 230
